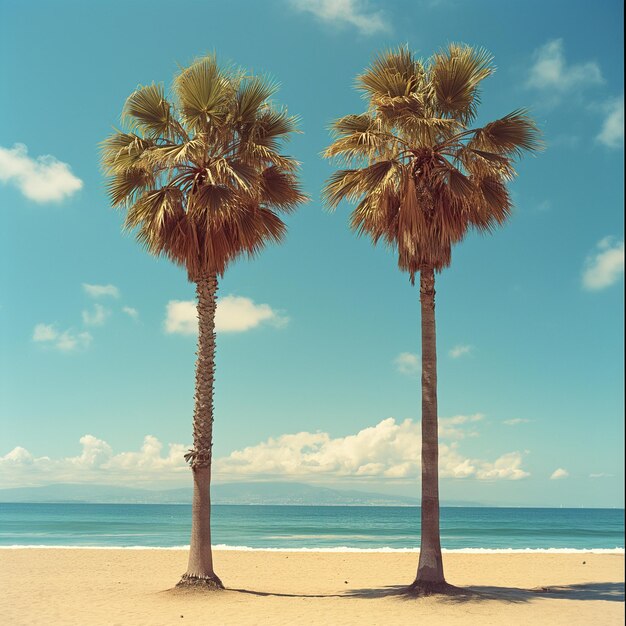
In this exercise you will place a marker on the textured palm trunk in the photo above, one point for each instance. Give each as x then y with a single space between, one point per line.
200 568
430 578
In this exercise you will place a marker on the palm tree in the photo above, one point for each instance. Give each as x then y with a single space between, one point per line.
422 178
202 180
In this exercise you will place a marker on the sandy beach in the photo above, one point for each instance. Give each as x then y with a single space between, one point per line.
88 586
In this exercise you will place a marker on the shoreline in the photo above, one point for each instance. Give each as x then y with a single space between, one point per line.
334 550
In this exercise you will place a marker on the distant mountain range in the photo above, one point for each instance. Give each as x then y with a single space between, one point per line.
227 493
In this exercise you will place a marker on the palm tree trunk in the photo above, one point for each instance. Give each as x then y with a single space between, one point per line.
200 568
430 578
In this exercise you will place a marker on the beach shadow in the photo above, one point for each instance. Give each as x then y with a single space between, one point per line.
285 595
611 592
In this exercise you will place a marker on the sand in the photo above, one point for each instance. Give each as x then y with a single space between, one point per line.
86 586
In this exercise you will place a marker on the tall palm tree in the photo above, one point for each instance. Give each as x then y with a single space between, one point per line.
422 178
202 180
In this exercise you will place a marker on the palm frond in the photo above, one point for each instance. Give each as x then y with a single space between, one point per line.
252 94
393 73
455 75
147 109
204 93
511 135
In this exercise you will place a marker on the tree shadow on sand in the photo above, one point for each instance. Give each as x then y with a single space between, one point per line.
609 591
612 592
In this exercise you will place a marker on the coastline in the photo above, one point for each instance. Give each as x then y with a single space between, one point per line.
338 549
133 586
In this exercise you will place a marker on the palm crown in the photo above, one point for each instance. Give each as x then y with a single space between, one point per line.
201 177
420 175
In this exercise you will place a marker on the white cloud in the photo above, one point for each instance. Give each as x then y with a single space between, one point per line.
345 12
101 291
559 473
600 475
516 421
612 133
605 266
459 351
552 72
42 179
131 312
96 317
45 332
64 341
234 314
449 426
408 363
96 463
389 450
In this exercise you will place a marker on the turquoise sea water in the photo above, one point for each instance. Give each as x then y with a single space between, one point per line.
301 527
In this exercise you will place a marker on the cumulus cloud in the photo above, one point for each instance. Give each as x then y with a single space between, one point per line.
42 179
459 351
605 266
101 291
354 13
612 132
234 314
559 473
551 71
408 363
388 450
96 463
97 316
64 341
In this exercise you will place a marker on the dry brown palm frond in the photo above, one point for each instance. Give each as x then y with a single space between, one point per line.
420 176
511 135
393 73
202 177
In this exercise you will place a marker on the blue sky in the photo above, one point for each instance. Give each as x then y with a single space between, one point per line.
318 338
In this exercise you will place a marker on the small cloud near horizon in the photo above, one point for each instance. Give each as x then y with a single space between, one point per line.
516 421
95 317
63 341
605 266
131 312
559 473
408 363
460 350
356 13
41 179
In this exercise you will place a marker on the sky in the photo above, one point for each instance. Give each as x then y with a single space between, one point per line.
318 339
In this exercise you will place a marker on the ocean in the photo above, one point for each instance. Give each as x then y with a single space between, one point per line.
336 528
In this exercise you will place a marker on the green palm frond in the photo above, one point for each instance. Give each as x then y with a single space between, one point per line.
252 94
147 110
204 93
393 73
455 75
202 178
